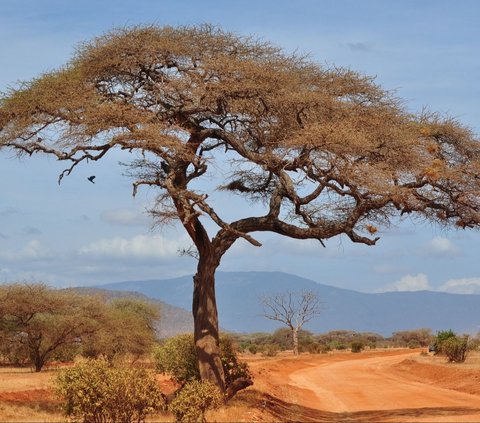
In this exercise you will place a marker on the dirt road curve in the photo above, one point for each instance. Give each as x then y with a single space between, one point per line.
351 388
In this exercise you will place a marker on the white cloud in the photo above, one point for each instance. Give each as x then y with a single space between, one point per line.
124 217
34 250
461 286
138 247
410 283
440 246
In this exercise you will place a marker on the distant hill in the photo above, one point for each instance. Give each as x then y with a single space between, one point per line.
384 313
173 320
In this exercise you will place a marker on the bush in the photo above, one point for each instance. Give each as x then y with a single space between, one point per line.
232 368
194 400
441 337
357 347
456 349
252 349
336 345
95 392
317 348
270 350
178 358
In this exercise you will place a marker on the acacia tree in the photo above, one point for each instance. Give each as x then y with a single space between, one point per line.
44 320
325 151
293 309
127 326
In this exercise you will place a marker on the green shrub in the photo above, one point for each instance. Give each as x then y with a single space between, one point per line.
317 348
357 347
233 369
95 392
270 350
194 400
456 349
441 337
253 349
336 345
178 358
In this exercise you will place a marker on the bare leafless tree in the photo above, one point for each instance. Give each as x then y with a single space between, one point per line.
325 152
293 309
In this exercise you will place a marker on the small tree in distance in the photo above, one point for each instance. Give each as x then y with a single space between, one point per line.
292 309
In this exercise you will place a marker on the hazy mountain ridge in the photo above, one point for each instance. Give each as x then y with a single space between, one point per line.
240 309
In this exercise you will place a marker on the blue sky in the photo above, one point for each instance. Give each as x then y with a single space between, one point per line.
79 233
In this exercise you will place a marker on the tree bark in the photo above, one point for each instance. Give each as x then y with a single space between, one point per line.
205 319
295 341
38 362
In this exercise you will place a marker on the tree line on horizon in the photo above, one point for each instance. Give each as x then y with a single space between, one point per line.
39 324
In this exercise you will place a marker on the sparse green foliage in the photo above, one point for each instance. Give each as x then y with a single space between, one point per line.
178 358
441 337
456 349
39 324
357 347
38 321
412 338
95 392
318 348
233 369
270 350
126 327
194 400
342 339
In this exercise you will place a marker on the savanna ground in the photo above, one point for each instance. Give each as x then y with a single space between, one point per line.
378 385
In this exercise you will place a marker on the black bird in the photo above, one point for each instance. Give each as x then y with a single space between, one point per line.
91 179
165 167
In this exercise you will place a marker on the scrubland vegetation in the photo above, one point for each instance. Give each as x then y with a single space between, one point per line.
108 357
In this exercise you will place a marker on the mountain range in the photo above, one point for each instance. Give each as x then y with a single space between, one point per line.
240 309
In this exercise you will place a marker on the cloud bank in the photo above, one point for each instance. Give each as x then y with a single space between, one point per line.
417 282
138 247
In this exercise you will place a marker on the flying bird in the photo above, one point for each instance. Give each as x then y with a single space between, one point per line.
91 179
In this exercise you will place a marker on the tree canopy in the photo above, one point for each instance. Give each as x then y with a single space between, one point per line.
325 151
42 320
127 326
39 323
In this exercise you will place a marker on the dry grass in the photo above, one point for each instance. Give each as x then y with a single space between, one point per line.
472 362
20 379
24 413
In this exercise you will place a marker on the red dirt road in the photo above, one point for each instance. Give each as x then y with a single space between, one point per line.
369 389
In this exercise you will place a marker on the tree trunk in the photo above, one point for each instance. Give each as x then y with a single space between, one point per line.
295 341
38 362
205 319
